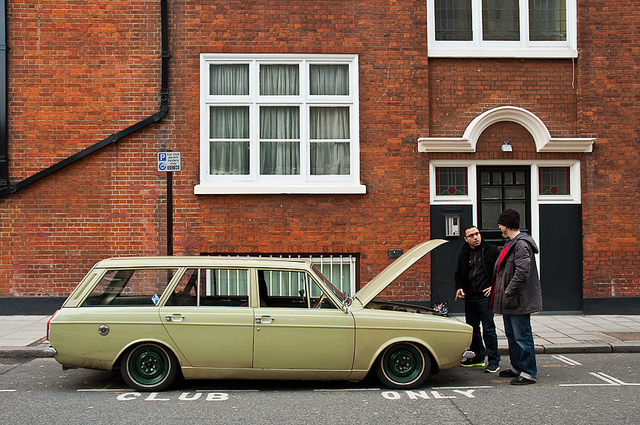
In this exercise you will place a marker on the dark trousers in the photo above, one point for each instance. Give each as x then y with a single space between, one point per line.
476 312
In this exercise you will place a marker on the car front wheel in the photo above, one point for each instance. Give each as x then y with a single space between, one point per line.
149 367
404 365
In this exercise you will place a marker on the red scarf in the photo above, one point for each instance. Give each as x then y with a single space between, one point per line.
503 254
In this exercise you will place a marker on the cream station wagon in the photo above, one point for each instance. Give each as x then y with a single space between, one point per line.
248 318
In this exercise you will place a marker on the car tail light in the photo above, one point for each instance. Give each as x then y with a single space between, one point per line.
49 323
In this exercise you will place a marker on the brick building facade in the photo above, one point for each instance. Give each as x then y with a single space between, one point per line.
420 110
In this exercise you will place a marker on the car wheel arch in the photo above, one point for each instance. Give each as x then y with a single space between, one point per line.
115 365
421 343
404 365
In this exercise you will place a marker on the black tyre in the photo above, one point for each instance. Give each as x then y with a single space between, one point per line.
403 365
149 367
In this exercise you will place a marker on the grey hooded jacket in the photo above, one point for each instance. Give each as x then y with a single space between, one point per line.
517 285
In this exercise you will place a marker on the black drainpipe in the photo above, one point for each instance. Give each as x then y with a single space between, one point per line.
5 188
4 145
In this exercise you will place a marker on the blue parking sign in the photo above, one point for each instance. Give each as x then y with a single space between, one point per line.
169 161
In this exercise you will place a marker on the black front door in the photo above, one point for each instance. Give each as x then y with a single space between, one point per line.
500 188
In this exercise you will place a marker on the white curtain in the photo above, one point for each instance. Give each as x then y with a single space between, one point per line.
280 140
228 154
329 132
279 132
279 125
225 80
329 80
329 127
279 80
229 126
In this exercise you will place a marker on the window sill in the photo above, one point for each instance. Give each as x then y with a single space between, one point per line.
307 189
522 53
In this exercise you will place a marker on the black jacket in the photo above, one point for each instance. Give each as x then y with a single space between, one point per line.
489 256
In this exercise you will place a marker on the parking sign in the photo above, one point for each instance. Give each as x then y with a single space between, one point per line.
169 161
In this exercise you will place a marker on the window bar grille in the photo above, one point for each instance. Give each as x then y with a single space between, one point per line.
344 281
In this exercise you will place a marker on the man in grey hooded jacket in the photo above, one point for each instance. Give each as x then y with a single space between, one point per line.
517 294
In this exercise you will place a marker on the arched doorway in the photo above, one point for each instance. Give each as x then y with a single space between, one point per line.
495 180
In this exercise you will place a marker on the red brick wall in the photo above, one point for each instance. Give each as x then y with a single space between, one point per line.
462 89
80 71
609 109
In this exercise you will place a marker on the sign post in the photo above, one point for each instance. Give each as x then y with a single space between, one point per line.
169 162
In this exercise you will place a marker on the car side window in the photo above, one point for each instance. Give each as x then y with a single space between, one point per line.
212 287
130 287
287 288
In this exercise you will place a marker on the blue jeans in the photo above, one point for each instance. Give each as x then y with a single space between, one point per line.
522 351
476 312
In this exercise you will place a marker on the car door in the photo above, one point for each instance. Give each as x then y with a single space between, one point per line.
291 333
209 319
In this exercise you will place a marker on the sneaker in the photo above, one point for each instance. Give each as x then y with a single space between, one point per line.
509 373
472 363
492 368
521 380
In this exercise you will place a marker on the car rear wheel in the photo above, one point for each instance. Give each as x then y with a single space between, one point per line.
149 367
404 365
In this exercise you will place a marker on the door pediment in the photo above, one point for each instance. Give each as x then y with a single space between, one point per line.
543 140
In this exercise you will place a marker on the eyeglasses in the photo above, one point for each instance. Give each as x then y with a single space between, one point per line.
473 235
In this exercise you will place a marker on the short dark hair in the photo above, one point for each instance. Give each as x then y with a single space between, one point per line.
468 228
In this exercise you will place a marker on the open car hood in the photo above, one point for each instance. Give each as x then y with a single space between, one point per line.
395 269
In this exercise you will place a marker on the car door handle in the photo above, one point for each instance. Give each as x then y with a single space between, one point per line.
174 317
264 319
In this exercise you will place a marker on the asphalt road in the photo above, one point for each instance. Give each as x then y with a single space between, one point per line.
572 389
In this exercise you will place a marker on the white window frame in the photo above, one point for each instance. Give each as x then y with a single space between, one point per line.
471 197
503 49
304 183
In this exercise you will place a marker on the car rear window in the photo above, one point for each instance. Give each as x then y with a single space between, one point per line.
130 287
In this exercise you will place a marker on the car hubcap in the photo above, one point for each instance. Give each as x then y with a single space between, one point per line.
404 364
149 366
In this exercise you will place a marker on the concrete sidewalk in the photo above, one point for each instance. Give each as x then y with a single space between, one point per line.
25 336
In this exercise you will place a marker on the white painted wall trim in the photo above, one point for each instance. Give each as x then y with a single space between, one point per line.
534 125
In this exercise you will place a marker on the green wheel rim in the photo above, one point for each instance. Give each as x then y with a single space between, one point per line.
148 365
403 363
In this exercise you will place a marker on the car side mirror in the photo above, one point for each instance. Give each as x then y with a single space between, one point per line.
346 304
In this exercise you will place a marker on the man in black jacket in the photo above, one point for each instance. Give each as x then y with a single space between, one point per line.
474 283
